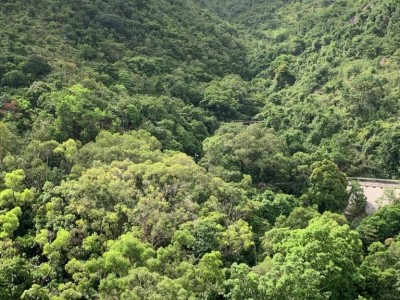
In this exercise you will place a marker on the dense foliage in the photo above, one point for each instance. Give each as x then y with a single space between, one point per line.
197 149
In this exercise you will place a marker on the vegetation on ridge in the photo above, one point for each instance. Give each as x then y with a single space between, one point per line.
197 149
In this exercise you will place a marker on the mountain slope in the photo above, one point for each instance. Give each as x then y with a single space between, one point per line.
328 74
175 32
153 150
117 51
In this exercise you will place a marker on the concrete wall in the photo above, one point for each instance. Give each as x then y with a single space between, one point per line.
379 192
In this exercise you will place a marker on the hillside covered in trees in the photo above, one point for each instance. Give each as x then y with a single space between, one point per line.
198 149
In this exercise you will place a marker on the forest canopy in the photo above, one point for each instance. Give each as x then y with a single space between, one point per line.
198 149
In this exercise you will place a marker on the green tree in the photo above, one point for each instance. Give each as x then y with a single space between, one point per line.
243 283
15 276
383 224
327 187
9 222
207 277
357 200
8 141
237 238
228 98
37 66
15 193
254 150
316 262
380 269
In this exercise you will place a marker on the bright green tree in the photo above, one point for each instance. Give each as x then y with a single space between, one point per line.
327 187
